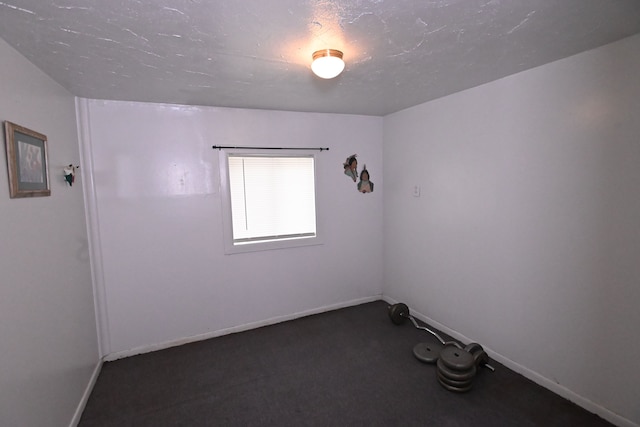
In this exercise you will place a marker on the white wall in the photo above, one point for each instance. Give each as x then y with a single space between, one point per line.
165 276
526 237
48 345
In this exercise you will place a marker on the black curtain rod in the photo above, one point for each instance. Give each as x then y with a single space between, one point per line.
220 147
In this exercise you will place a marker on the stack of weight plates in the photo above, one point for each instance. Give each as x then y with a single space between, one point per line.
456 369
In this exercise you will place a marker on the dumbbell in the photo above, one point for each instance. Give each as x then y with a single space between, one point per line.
399 313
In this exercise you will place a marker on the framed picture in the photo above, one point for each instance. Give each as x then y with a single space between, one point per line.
26 161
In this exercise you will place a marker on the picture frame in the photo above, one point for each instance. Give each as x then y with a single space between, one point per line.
27 162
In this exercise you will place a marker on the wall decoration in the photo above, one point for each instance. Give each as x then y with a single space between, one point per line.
70 174
365 186
351 167
26 161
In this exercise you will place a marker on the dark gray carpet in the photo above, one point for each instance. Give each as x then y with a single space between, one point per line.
349 367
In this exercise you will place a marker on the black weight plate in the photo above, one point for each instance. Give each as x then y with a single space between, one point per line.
456 359
427 352
473 347
455 375
398 313
481 358
455 389
452 383
452 344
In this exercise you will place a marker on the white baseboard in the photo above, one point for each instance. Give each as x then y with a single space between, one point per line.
558 389
85 396
240 328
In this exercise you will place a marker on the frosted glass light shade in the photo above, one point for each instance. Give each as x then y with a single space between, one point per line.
327 63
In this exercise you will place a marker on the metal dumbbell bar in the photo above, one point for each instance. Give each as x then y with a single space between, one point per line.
400 312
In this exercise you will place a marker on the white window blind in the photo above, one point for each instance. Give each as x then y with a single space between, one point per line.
272 198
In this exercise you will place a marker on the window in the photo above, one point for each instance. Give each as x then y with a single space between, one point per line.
270 201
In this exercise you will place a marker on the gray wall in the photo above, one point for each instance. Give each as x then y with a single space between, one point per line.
48 345
166 278
526 236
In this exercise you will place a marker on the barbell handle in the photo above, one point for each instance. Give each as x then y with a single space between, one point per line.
491 368
426 329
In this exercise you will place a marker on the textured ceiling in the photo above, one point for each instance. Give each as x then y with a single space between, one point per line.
256 53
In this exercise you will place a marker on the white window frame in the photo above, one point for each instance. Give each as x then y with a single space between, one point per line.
225 195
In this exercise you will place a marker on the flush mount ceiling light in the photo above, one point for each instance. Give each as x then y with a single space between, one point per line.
327 63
